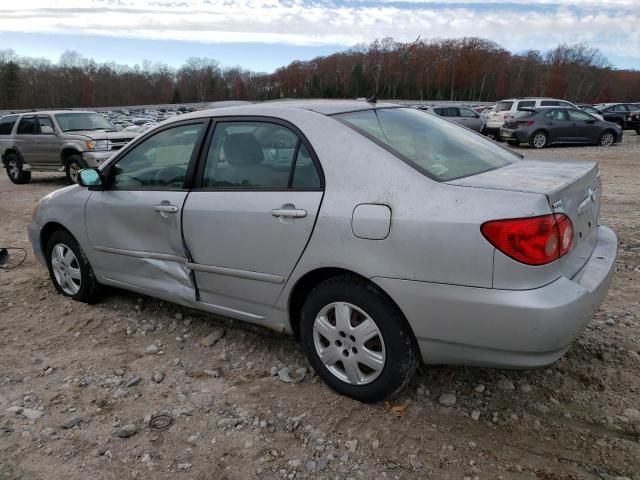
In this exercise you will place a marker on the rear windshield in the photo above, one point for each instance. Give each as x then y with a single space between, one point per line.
503 106
523 114
441 150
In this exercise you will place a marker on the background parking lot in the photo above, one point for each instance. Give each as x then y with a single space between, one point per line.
79 383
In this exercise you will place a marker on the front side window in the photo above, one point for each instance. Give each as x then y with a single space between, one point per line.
258 155
467 112
27 126
45 122
7 123
81 121
442 150
558 115
619 108
578 116
503 106
159 162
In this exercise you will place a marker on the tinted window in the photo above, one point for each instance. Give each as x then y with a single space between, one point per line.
449 112
467 112
526 103
619 108
441 150
589 109
158 162
27 126
503 106
578 116
564 104
549 103
45 122
255 155
305 174
558 115
7 123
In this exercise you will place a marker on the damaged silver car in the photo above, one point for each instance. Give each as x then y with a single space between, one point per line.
379 235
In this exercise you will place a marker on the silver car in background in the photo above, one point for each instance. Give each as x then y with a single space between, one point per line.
465 116
377 234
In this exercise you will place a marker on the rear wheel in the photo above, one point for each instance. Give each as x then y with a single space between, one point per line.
357 340
69 268
15 171
71 168
539 140
606 139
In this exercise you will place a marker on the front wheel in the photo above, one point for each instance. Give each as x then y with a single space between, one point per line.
606 139
71 168
357 340
539 140
15 171
69 268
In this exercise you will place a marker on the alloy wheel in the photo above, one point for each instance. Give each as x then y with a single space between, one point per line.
349 343
606 140
14 172
539 140
74 168
66 269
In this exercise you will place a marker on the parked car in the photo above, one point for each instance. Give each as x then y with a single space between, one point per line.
61 140
464 116
591 110
544 126
496 117
377 234
627 115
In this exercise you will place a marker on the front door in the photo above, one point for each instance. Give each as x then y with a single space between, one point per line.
251 215
558 126
583 126
134 224
47 146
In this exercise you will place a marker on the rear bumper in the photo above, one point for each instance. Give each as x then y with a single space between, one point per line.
505 328
510 134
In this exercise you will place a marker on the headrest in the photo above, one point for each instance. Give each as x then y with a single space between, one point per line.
242 149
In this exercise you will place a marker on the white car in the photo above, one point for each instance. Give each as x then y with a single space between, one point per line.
496 117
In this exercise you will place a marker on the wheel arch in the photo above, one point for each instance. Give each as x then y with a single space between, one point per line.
307 282
10 151
48 230
540 130
68 152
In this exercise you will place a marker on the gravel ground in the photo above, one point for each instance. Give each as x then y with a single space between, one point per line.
79 384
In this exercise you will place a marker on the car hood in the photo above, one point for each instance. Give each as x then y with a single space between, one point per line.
104 135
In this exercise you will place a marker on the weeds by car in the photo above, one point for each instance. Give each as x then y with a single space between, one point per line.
377 234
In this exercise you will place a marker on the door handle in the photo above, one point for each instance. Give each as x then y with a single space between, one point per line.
166 208
289 212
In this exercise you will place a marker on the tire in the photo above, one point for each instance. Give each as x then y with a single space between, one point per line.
607 139
63 254
637 131
71 167
513 143
539 139
13 165
388 344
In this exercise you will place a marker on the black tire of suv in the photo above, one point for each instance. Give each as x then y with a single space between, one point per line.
73 162
89 287
13 166
401 351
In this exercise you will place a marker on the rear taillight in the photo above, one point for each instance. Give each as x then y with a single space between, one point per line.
533 240
526 122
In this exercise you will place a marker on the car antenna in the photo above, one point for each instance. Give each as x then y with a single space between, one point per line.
373 98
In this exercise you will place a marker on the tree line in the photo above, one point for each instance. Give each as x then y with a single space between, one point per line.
469 69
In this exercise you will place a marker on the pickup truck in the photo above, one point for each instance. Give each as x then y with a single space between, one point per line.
61 140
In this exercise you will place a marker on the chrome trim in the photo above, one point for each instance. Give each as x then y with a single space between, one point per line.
137 254
232 272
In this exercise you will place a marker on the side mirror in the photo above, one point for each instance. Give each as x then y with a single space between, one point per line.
46 130
91 178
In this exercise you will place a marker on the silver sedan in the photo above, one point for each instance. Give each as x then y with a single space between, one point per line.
378 235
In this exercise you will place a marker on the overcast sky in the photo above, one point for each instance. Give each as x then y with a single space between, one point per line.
264 34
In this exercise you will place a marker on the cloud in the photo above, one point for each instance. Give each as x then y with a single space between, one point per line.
611 25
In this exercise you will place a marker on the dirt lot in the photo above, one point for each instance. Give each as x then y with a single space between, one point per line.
73 377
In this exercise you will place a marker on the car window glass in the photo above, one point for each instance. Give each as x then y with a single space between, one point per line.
441 150
564 104
27 126
526 103
7 123
549 103
558 115
305 174
467 112
523 114
578 116
250 155
503 106
45 122
158 162
619 108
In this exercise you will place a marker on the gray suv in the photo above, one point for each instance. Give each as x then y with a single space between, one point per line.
60 140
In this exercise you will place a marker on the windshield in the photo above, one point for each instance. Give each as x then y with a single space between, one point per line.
77 121
503 106
440 149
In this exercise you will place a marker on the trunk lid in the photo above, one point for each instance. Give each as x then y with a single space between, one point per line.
571 187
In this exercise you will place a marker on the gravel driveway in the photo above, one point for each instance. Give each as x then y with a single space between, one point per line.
79 385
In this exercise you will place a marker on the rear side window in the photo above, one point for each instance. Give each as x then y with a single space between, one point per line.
523 114
467 112
558 115
503 106
441 150
549 103
7 123
526 103
27 126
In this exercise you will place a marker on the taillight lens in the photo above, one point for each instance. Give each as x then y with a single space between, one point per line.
533 240
526 122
